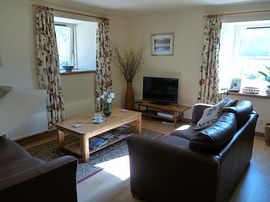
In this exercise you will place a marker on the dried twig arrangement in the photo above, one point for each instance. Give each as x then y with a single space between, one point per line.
128 61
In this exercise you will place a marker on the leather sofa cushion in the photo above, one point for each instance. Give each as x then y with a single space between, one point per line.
185 131
217 135
242 111
15 167
174 140
10 151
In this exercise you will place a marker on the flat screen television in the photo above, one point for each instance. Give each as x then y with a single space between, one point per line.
160 90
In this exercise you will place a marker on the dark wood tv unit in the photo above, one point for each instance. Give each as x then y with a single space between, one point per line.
152 109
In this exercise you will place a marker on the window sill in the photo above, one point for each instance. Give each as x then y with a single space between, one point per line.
77 72
260 95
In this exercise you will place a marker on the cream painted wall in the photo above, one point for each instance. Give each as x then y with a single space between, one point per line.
16 44
79 94
17 57
187 26
119 27
86 40
184 64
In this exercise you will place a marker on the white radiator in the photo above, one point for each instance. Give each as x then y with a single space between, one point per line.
36 124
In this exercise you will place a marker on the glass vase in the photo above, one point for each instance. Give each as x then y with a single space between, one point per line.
107 108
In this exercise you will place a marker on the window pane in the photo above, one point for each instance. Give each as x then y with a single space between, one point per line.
76 40
244 52
255 42
249 72
63 35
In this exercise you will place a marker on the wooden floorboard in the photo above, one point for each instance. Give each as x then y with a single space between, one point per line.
38 139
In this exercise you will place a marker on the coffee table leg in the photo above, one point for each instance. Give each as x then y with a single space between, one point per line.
175 119
138 125
84 143
61 139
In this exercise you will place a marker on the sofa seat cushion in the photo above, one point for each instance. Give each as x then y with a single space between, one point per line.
214 137
10 151
242 111
185 131
14 167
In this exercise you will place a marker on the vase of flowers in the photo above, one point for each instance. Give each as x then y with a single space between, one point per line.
128 62
106 100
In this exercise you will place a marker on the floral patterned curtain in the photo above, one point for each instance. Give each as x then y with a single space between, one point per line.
104 54
48 64
208 84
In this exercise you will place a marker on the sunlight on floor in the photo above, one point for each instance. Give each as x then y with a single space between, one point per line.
118 167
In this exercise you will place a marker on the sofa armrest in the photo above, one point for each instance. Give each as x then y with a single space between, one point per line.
169 170
198 110
56 178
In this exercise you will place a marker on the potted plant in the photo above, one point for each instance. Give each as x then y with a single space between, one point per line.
128 61
266 78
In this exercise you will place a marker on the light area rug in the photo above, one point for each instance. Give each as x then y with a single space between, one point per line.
99 160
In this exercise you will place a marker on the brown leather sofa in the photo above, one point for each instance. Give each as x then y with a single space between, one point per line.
191 166
27 179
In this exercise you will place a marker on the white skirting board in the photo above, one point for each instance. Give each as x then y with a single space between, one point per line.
36 124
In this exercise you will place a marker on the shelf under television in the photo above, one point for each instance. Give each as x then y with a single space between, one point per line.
151 109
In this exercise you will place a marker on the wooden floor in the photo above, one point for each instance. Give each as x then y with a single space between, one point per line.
106 187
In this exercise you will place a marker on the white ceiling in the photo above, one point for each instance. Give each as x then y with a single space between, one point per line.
131 7
135 6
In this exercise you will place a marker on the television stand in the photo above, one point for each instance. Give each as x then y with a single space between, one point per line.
169 112
159 103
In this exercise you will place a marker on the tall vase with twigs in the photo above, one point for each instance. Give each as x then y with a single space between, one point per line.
128 61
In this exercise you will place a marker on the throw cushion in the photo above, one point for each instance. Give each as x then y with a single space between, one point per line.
230 102
4 90
212 114
214 137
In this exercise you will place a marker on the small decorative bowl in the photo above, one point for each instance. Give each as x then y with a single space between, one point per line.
68 68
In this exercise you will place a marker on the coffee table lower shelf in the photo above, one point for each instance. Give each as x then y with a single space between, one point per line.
74 147
88 129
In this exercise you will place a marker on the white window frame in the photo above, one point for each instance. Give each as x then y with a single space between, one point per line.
240 28
73 59
235 56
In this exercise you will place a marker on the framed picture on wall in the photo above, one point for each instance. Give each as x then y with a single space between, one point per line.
162 44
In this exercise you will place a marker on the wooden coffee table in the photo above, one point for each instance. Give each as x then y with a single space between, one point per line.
89 129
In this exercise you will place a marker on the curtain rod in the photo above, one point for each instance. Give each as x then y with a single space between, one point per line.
238 13
70 12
